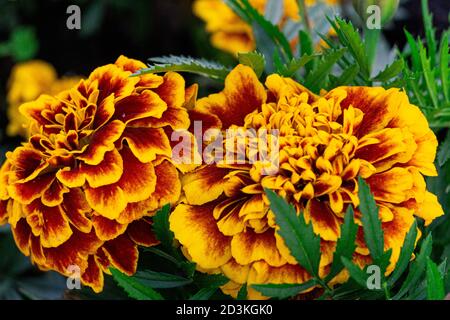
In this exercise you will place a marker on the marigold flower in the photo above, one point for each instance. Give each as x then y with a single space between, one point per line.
98 165
27 82
229 32
326 142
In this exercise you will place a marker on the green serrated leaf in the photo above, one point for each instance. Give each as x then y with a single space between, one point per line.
254 60
444 58
345 245
161 227
435 282
242 294
295 64
373 233
444 150
324 67
391 71
347 77
210 280
351 39
272 31
405 254
202 67
282 291
355 272
159 280
299 236
415 57
428 74
134 288
417 268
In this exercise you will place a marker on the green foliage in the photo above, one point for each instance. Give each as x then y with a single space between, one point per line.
255 60
22 45
186 64
435 282
373 233
345 245
282 291
299 236
135 288
426 72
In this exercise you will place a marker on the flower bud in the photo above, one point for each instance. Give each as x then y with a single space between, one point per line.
376 11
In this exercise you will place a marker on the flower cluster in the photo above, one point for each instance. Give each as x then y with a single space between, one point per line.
225 224
81 192
27 82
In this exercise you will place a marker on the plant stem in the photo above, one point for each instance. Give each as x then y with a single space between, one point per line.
371 37
387 294
304 15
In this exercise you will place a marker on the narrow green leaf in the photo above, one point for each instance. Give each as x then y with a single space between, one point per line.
350 38
429 31
444 151
202 67
325 66
282 291
299 237
296 63
405 254
417 268
415 57
161 227
204 294
242 294
210 280
274 11
373 233
278 38
345 245
161 280
306 48
444 58
391 71
254 60
134 288
356 273
428 73
347 77
435 282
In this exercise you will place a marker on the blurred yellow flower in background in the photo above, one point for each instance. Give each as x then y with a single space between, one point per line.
230 33
28 80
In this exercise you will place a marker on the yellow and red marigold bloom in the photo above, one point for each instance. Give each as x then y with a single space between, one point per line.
97 166
326 142
27 82
229 32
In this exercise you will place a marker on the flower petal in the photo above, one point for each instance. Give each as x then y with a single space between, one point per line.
141 233
249 246
196 229
123 254
243 93
138 106
102 142
147 143
204 185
